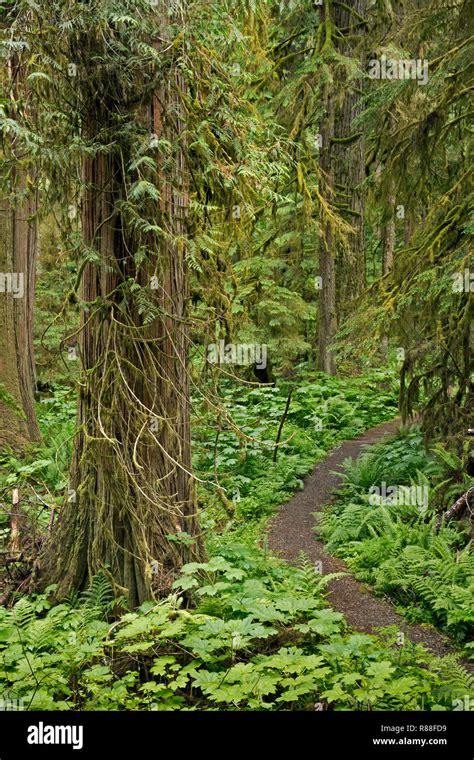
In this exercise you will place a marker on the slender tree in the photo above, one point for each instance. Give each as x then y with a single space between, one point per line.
327 254
348 152
342 256
18 253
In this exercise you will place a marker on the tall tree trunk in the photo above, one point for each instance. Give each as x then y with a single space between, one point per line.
327 260
349 159
388 238
18 251
132 491
388 232
342 164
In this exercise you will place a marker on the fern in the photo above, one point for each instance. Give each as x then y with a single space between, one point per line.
399 548
99 596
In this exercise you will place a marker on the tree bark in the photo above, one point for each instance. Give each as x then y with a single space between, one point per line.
349 160
342 164
132 490
389 233
327 259
18 252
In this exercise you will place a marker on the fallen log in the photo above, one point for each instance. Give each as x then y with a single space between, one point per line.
465 502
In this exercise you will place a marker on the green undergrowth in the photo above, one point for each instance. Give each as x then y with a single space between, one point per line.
41 473
399 543
259 637
239 464
242 631
323 411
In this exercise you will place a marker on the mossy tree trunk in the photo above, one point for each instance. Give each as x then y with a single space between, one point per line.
342 164
18 253
327 258
388 232
131 509
348 155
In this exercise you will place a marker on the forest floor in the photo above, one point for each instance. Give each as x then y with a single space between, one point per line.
292 531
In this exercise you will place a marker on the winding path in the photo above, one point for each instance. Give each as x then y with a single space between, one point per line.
292 532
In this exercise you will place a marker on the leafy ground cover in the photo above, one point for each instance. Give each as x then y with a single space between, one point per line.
259 637
241 631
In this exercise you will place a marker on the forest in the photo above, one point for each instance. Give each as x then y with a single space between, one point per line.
236 341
